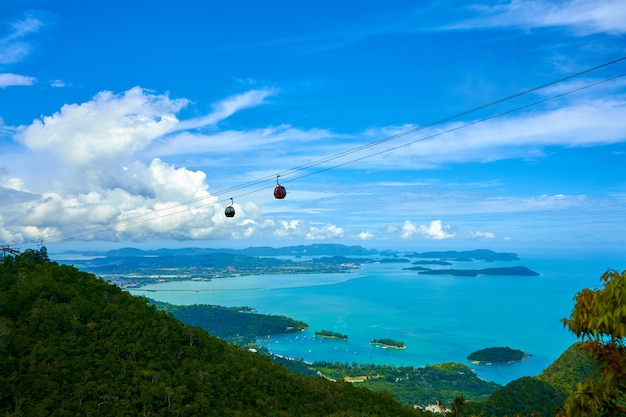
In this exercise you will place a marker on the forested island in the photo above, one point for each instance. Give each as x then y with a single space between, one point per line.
393 260
432 262
331 335
503 271
388 343
497 355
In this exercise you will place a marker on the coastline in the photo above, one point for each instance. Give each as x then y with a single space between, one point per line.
343 294
332 337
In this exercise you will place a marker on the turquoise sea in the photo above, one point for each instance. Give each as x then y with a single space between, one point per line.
439 318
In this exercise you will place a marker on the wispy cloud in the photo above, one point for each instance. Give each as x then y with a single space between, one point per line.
582 16
24 27
13 46
590 121
57 83
587 122
227 107
10 80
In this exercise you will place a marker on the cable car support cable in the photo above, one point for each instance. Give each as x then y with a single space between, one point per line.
185 205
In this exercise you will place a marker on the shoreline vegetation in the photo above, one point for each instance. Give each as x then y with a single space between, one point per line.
388 343
497 355
327 334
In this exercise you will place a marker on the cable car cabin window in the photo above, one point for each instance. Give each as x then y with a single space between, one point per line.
280 192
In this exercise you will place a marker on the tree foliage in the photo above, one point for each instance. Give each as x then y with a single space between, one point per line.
599 319
74 345
414 386
526 396
573 366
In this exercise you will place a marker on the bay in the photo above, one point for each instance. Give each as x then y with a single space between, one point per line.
440 318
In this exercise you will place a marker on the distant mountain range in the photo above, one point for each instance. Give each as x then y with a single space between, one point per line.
323 249
300 250
188 263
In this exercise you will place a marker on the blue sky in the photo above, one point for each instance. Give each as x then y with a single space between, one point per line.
136 122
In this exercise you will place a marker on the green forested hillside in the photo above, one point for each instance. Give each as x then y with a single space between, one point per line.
74 345
527 396
419 386
573 366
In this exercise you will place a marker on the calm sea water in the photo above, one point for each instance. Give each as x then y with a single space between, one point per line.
439 318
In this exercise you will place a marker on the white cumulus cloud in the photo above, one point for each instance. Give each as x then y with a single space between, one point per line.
96 184
108 126
366 235
485 235
435 230
328 231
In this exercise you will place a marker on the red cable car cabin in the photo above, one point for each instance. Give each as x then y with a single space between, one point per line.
280 192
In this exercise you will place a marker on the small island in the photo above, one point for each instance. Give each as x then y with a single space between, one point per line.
393 260
497 355
331 335
504 271
388 343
